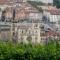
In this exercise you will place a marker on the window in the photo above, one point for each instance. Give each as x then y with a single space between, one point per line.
22 31
42 34
29 38
36 25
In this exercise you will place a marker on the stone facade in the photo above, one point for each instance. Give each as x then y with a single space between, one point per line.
24 23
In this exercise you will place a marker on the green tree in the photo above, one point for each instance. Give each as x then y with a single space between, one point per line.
56 3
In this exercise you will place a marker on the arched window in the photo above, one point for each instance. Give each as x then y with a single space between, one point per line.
29 38
36 25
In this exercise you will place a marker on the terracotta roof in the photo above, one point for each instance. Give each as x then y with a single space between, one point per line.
54 11
52 33
22 11
3 1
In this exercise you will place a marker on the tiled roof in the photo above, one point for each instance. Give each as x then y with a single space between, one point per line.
55 12
22 11
52 33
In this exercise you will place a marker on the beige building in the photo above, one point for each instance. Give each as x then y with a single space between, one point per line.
29 32
5 31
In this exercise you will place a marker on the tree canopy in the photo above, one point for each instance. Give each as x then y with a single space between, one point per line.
56 3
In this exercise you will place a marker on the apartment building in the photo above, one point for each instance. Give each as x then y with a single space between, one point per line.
25 23
52 17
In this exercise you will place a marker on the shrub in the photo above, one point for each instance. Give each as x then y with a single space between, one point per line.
11 51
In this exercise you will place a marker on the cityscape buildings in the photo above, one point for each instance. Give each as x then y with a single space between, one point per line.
21 21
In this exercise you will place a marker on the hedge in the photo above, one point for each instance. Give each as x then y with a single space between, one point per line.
18 51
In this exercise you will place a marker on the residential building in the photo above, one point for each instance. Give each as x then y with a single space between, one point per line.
22 22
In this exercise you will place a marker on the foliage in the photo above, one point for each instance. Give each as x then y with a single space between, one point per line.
56 3
19 51
35 4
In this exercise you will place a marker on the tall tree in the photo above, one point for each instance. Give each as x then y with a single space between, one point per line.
56 3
